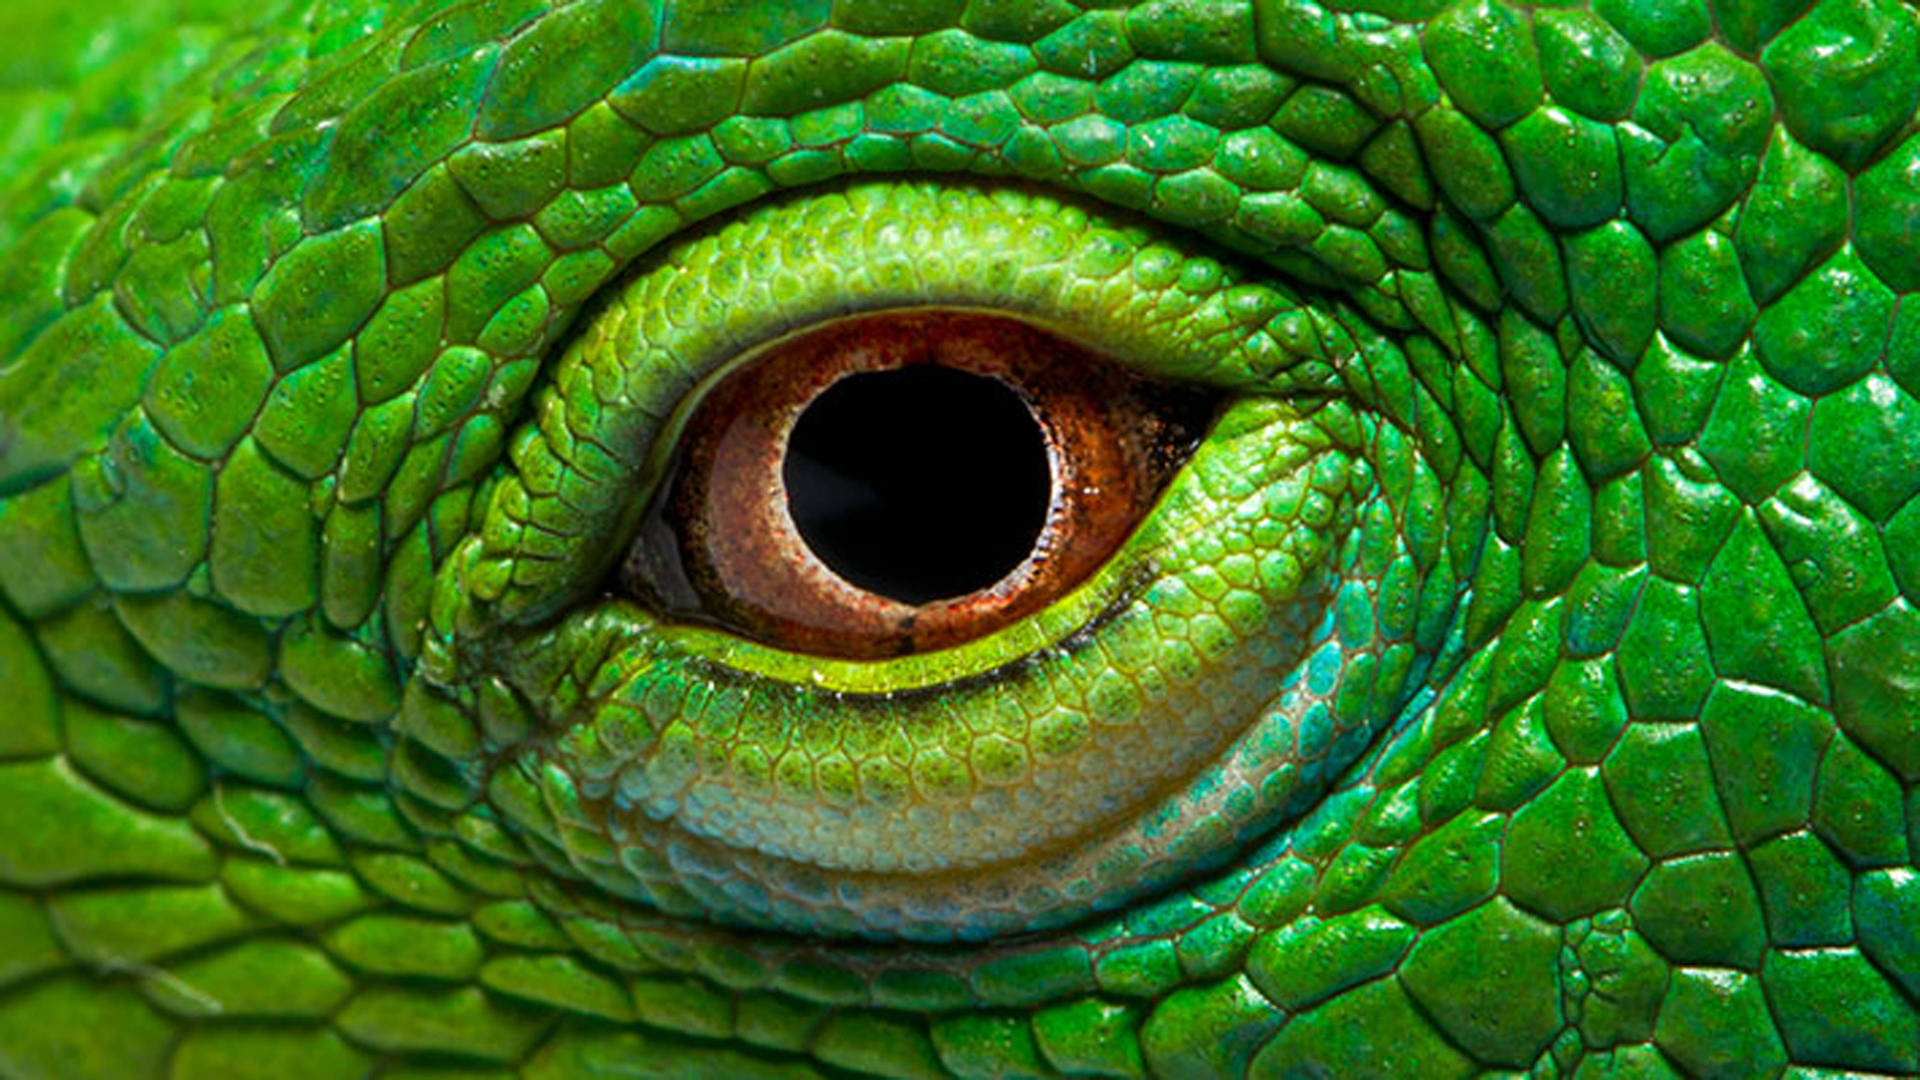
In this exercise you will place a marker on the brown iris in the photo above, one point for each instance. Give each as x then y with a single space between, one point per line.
906 481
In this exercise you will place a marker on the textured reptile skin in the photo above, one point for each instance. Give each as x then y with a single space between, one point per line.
1523 676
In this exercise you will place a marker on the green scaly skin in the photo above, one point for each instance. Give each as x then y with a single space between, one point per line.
1557 559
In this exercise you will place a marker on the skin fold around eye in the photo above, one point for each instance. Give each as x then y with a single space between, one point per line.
1207 679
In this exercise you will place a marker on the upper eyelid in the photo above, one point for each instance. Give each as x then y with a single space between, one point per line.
639 351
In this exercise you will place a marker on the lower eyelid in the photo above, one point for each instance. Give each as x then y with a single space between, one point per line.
664 774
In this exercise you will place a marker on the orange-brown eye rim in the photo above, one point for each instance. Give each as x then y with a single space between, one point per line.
720 542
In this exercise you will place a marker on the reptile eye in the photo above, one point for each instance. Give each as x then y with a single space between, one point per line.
905 481
974 561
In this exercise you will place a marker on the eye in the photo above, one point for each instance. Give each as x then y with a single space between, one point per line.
1176 612
905 481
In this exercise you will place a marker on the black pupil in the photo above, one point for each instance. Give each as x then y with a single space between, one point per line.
920 483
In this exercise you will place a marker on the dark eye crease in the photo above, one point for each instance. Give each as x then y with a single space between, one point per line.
959 538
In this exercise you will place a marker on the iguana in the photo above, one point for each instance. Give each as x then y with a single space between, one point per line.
1521 676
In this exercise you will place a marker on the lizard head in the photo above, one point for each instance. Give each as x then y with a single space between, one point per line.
1515 669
